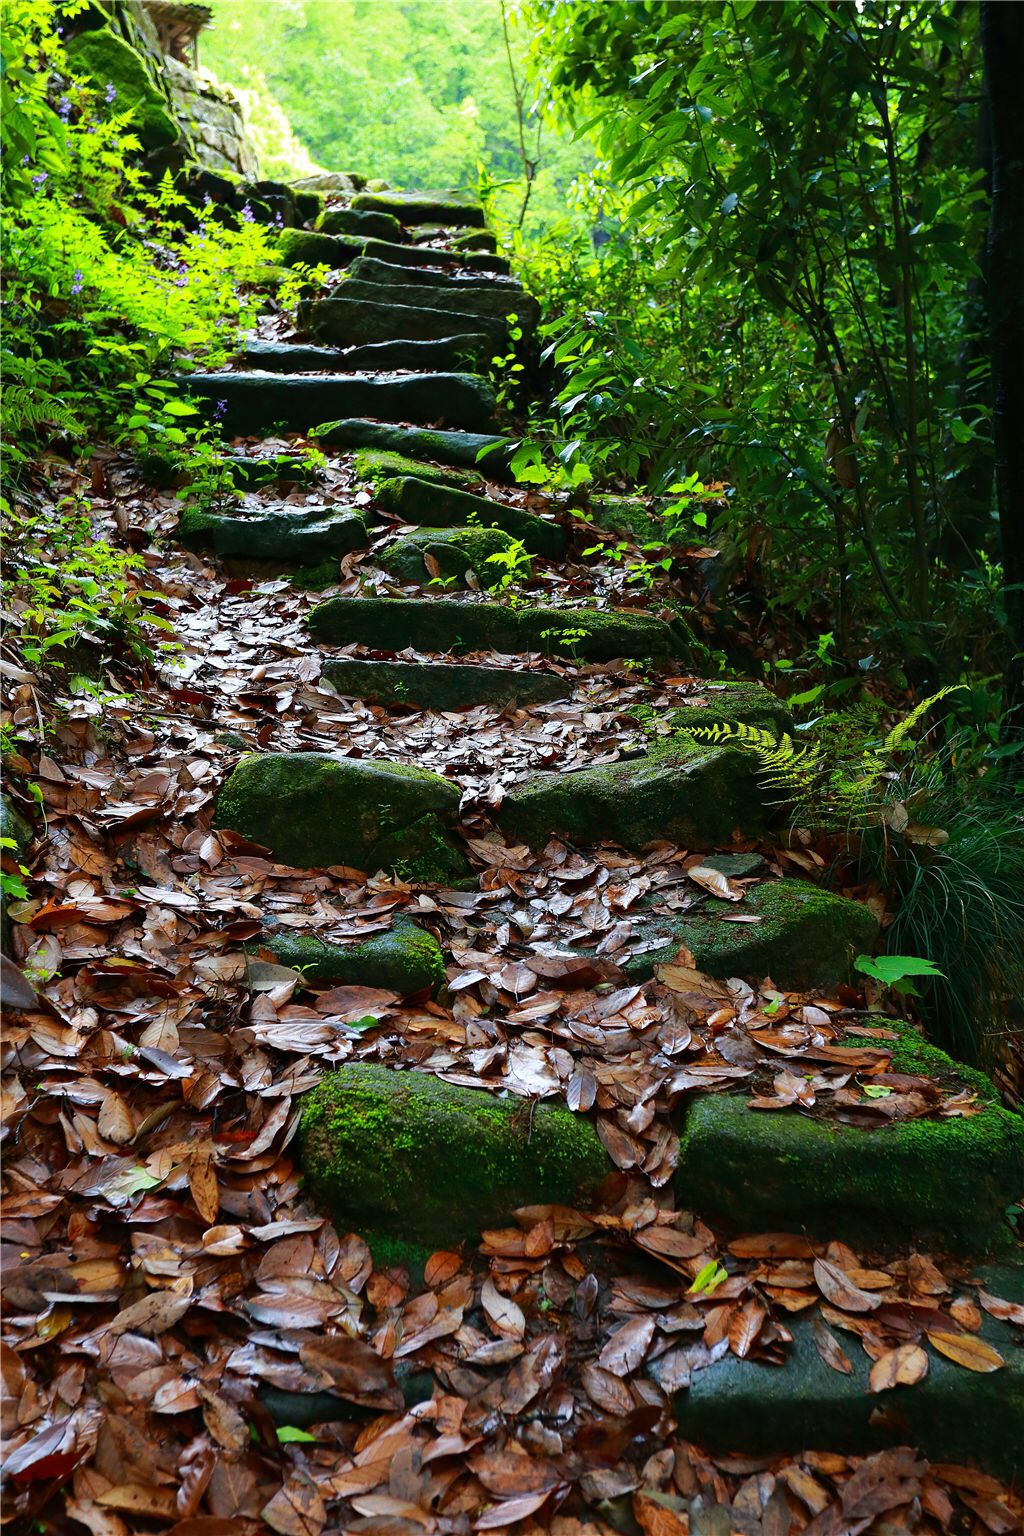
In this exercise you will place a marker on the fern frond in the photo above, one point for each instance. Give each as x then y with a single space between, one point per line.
784 765
899 733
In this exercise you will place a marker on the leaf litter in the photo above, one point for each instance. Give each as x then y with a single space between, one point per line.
169 1294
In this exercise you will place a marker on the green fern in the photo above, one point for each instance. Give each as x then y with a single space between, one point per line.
785 765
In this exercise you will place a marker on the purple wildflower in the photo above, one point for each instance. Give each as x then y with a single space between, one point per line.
247 214
26 159
64 108
279 220
77 282
38 179
110 94
220 410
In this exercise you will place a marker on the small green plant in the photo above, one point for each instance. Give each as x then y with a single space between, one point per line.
514 564
896 971
708 1279
639 571
12 882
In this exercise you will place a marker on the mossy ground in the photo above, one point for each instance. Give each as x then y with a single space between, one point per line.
460 448
411 1157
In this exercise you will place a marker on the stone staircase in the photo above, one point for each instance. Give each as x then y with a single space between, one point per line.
393 377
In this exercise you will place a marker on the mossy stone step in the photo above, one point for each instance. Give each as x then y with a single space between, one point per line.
313 810
470 449
446 625
290 534
953 1415
408 1157
476 240
440 506
483 301
442 685
246 472
942 1182
804 936
455 551
679 791
405 960
371 269
457 353
359 222
435 256
351 321
307 247
731 704
376 464
424 207
255 402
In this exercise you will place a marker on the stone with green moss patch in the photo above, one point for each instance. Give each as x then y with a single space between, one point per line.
13 825
109 61
410 1157
677 792
313 811
405 960
372 269
376 465
359 222
259 401
309 248
488 303
442 685
953 1415
723 704
453 554
423 207
442 506
944 1182
476 240
803 936
303 535
447 625
414 256
469 449
354 320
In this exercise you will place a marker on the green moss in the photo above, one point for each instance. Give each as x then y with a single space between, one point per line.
442 685
462 448
946 1182
308 206
307 247
359 222
597 634
730 704
409 1157
303 535
422 208
313 811
435 505
405 960
456 551
375 465
108 60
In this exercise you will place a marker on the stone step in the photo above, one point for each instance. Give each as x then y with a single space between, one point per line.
249 403
375 465
371 270
447 208
442 685
314 811
354 322
306 247
435 256
945 1182
444 625
468 449
449 354
405 960
476 240
796 933
288 534
361 223
952 1416
440 506
247 471
482 300
453 553
679 791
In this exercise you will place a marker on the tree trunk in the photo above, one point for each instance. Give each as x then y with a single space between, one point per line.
1002 34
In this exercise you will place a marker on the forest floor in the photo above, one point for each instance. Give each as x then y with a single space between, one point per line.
190 1346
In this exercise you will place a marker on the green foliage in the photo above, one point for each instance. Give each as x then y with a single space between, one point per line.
514 565
896 971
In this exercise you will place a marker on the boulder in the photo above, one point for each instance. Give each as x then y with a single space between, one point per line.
355 321
295 247
423 207
313 810
405 960
471 449
359 222
111 62
476 240
446 624
247 403
678 792
946 1182
803 936
456 551
424 502
407 1156
292 534
442 685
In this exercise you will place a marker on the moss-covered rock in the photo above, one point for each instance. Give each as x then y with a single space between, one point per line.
952 1415
463 448
291 357
304 535
633 517
13 825
407 1156
476 240
447 625
804 937
372 269
442 685
433 256
489 303
405 960
423 207
353 321
455 550
109 61
312 810
375 465
678 792
731 704
425 502
359 222
307 247
308 205
943 1182
252 402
